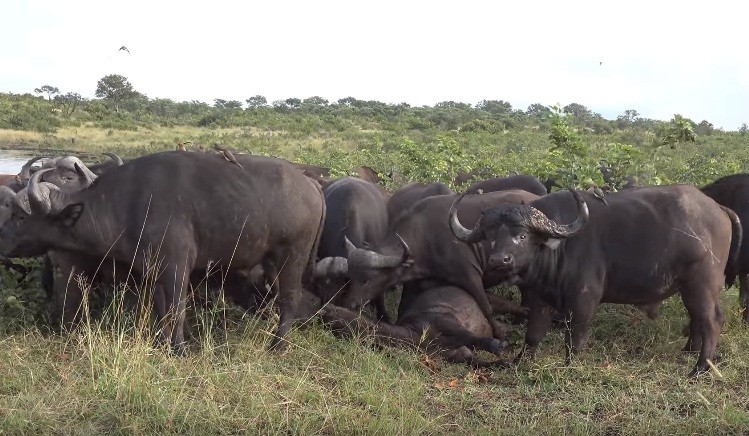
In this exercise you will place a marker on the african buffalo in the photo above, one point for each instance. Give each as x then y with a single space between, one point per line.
355 209
431 253
526 183
159 210
445 320
405 197
646 245
733 192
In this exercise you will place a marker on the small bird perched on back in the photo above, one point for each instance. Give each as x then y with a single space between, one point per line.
228 155
598 193
181 145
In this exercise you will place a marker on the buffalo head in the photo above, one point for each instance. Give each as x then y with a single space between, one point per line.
69 174
373 273
516 231
37 213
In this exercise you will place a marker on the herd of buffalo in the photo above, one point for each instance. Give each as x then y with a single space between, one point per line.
270 229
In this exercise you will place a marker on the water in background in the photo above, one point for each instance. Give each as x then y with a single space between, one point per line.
11 161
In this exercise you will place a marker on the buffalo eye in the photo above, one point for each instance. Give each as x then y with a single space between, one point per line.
521 237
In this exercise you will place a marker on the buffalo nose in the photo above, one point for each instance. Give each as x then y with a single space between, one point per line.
501 260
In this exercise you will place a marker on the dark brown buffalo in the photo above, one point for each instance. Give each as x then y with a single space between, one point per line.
733 193
646 245
526 183
355 209
445 320
405 197
159 210
430 253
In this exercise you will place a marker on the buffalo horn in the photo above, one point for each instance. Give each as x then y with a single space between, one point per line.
116 159
25 173
555 230
460 232
39 201
372 259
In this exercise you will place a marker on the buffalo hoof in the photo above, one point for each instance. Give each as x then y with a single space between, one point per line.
277 345
180 349
698 370
497 346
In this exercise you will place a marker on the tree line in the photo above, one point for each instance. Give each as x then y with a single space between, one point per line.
119 105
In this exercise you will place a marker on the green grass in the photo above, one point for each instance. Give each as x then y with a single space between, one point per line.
106 377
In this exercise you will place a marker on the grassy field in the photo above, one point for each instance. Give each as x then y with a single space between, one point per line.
106 377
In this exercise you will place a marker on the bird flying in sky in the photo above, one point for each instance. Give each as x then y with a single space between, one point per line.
124 48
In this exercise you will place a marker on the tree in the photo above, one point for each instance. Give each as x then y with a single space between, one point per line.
452 105
69 102
704 128
538 111
495 107
314 101
256 102
678 130
49 90
743 129
116 89
220 103
578 111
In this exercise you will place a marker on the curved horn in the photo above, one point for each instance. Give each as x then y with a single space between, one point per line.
84 172
406 249
39 201
567 230
25 173
372 259
350 247
114 158
460 232
539 222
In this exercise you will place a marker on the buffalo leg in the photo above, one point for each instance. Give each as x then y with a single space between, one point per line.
380 309
465 356
478 293
578 319
539 323
170 304
351 323
449 334
287 283
504 306
48 276
67 294
744 295
706 317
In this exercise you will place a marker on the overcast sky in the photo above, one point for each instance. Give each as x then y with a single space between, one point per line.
658 57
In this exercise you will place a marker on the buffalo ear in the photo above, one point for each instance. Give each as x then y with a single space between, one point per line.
552 243
69 216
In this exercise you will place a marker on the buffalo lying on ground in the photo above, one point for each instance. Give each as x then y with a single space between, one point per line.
178 212
405 197
445 320
355 209
431 253
646 245
733 193
526 183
